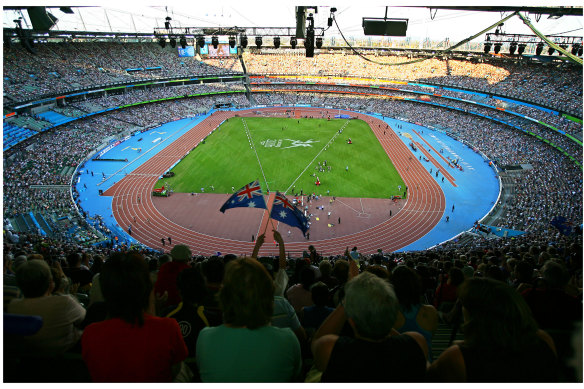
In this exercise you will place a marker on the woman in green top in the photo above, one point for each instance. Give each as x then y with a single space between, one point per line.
247 348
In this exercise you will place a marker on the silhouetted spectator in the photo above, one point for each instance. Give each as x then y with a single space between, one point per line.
502 342
378 353
132 345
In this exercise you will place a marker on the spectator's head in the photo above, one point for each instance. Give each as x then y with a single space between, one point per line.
378 270
524 272
495 273
34 278
371 306
213 270
74 260
495 315
407 285
163 259
126 285
153 264
307 277
455 276
341 270
320 294
61 284
181 253
325 268
191 285
555 274
247 295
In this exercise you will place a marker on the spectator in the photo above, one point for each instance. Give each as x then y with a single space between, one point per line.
446 293
326 269
61 314
552 307
190 313
77 273
378 353
413 315
132 345
246 348
501 340
311 317
299 295
166 284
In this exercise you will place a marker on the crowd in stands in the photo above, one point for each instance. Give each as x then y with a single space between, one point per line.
64 67
142 316
559 87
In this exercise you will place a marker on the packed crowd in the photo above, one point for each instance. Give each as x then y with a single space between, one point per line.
136 96
142 316
558 87
63 67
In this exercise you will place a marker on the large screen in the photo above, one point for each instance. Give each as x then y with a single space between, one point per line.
223 50
189 51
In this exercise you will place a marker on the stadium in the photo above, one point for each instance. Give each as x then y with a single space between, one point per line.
456 161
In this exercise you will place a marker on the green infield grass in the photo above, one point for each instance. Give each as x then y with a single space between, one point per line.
288 151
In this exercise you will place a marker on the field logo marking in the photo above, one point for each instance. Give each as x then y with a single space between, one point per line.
299 143
271 143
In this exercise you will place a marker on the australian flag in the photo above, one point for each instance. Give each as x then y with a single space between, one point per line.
562 224
250 196
284 211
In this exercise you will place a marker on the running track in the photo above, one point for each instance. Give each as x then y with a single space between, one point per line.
422 211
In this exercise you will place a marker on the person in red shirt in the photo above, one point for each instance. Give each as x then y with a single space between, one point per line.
133 345
168 275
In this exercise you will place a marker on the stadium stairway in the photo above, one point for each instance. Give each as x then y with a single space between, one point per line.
441 339
20 224
43 223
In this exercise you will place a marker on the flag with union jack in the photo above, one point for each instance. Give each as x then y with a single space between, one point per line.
250 196
287 213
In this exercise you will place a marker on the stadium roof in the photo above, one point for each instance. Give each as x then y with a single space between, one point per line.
436 23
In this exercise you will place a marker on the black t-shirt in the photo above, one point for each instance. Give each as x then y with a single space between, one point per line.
399 358
535 363
191 320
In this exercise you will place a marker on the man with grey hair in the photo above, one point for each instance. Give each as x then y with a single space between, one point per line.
377 352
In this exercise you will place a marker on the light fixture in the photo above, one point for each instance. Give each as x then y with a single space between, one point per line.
512 48
232 41
539 48
215 41
521 48
243 41
276 42
497 48
487 48
258 42
201 41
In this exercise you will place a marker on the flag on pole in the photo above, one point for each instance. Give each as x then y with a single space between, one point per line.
250 196
284 211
